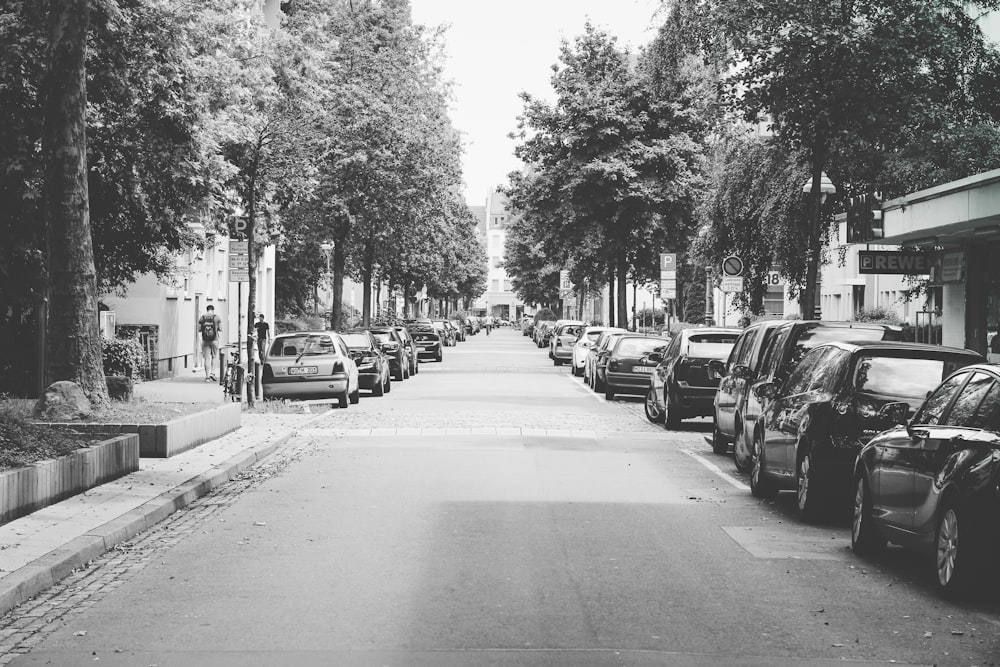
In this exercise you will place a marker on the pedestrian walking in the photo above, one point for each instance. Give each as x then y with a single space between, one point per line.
263 330
209 326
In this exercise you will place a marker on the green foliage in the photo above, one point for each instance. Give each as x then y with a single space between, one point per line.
877 314
543 314
124 356
650 317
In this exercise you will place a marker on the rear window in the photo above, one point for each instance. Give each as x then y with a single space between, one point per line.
905 378
356 340
383 336
636 347
594 336
713 338
293 346
817 335
710 350
425 335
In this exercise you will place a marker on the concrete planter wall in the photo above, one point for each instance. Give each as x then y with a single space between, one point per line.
175 436
24 490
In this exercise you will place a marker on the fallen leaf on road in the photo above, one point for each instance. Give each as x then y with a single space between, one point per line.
259 523
957 632
837 645
80 633
817 611
927 634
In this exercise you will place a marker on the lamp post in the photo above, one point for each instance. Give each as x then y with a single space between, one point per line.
826 187
327 247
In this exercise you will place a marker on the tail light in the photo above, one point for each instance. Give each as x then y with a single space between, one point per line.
267 373
367 360
613 365
338 367
681 369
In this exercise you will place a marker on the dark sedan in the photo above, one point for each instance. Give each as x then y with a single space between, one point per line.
682 386
373 365
628 365
834 402
428 344
933 484
394 348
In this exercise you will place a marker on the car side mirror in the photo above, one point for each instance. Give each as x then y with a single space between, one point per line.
717 369
894 414
767 391
655 357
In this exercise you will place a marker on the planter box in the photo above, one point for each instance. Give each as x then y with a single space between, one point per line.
24 490
175 436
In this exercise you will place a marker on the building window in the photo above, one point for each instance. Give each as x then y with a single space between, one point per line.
506 286
496 285
774 300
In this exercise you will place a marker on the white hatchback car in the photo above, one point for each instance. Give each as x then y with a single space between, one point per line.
583 345
308 364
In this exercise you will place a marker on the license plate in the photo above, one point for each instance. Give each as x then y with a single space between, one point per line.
303 370
642 369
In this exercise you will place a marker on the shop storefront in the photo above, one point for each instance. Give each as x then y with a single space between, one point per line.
958 224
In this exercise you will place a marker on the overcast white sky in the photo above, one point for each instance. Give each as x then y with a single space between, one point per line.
498 49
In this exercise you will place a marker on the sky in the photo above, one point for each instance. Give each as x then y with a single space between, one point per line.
496 50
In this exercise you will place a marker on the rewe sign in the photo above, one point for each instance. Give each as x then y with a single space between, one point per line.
894 262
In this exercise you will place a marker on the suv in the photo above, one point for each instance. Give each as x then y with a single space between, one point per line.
786 344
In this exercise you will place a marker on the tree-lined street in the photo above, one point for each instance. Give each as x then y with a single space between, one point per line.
493 510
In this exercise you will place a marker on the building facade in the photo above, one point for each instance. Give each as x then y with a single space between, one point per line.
499 299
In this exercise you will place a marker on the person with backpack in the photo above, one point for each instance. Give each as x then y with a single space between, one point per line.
209 326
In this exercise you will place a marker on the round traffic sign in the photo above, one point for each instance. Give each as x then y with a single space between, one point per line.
732 266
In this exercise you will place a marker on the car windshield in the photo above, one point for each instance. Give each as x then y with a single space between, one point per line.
902 377
383 336
293 346
356 340
636 347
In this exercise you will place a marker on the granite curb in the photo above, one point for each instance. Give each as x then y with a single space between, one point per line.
38 575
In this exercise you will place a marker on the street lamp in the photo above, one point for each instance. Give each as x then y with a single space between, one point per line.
327 247
826 187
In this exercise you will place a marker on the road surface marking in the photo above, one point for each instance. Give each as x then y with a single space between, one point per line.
717 470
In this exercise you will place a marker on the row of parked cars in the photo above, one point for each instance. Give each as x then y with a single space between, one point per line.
848 415
339 364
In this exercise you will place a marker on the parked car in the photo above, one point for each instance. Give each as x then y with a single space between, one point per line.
563 338
931 484
587 339
307 364
395 349
541 329
459 329
628 364
428 344
445 333
682 386
411 347
374 373
817 420
527 324
594 359
784 347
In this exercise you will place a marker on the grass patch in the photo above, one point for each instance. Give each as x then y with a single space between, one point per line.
136 411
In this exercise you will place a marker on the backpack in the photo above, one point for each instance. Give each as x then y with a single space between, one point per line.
207 326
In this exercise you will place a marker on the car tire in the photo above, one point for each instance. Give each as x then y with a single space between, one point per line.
719 444
439 357
577 372
865 537
388 384
400 375
344 399
671 413
760 485
742 456
809 491
355 397
378 389
954 552
556 362
598 384
609 392
652 407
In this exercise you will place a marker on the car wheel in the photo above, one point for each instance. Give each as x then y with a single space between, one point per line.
653 411
671 414
556 362
598 384
609 393
388 384
399 376
760 485
865 538
378 389
742 456
438 357
954 553
577 371
344 399
355 397
719 444
808 489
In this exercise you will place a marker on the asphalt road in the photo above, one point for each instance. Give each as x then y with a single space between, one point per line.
492 510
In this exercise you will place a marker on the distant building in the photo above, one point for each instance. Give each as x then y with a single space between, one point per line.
492 221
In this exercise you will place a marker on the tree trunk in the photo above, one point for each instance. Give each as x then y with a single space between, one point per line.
611 294
622 288
74 339
337 305
810 293
251 262
369 267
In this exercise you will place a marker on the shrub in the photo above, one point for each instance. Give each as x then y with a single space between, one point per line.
877 314
545 314
125 357
22 443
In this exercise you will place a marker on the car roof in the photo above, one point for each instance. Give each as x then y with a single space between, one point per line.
711 330
893 345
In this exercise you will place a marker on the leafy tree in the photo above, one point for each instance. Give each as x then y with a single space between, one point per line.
613 170
834 77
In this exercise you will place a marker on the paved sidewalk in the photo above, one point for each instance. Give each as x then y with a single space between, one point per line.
189 387
39 549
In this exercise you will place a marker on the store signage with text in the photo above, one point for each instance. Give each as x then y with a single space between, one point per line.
902 262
